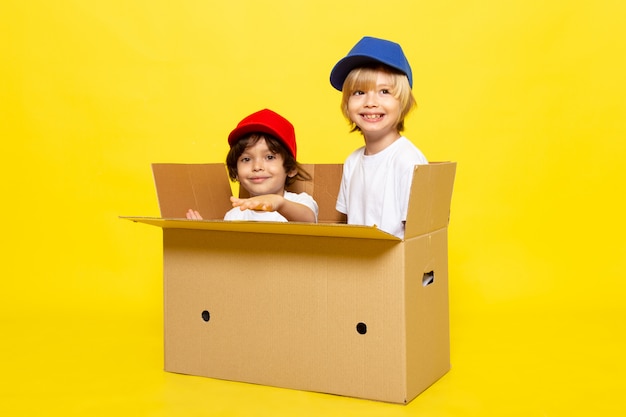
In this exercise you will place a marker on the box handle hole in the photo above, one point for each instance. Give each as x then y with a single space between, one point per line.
428 278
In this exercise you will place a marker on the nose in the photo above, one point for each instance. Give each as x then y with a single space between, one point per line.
257 165
371 99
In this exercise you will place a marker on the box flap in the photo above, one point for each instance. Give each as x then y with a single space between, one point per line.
202 187
283 228
206 188
431 195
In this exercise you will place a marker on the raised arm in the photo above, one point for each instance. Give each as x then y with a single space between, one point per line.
290 210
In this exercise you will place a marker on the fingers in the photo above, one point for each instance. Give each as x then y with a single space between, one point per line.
258 203
254 205
242 203
193 215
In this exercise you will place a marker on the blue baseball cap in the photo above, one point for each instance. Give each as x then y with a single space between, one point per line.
370 51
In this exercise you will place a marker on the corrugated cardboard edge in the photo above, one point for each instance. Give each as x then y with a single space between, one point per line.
290 228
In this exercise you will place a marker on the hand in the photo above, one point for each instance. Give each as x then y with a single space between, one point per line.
268 202
193 215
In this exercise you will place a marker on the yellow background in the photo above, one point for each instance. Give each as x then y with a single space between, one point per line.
527 96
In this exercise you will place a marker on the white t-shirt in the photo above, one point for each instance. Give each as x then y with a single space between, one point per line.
375 188
272 216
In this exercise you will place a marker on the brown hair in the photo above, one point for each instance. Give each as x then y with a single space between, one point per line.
275 146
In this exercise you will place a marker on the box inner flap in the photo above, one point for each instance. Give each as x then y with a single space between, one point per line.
206 188
202 187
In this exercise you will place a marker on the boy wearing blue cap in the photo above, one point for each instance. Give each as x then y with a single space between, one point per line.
376 80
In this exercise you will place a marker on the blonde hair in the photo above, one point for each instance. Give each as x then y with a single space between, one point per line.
365 78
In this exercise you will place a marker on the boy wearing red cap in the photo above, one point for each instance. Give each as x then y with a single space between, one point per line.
262 158
376 80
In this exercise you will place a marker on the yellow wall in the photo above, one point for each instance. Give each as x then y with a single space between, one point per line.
527 97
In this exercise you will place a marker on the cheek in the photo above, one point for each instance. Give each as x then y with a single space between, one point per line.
393 102
241 168
354 101
353 105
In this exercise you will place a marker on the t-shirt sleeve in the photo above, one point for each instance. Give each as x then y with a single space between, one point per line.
233 214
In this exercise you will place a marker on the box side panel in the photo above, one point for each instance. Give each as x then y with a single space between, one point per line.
366 322
253 309
312 313
202 187
431 195
427 311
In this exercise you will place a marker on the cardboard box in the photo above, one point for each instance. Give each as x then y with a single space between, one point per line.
327 307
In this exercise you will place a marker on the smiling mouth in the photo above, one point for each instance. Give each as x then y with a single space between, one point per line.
372 116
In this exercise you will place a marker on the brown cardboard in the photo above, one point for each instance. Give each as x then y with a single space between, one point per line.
330 307
205 188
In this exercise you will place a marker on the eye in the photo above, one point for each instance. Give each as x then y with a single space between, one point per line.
271 156
385 91
358 93
245 159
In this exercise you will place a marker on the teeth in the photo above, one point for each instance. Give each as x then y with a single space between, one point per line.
372 116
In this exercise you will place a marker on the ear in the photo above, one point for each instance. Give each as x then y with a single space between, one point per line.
292 173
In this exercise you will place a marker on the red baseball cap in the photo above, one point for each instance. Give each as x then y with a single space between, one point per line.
269 122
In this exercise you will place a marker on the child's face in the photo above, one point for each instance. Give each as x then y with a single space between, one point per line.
260 171
376 111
